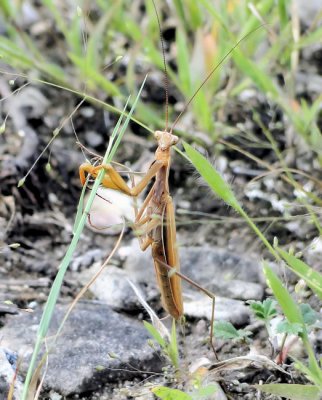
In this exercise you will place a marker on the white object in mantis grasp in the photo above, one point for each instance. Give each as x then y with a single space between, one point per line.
109 209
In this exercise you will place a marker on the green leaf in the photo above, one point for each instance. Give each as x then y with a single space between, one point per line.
180 11
222 189
289 328
94 76
80 207
226 330
154 333
309 373
251 69
205 391
291 391
54 71
8 8
265 310
195 14
202 110
165 393
283 12
294 315
212 177
13 54
311 277
311 38
97 35
183 62
310 316
173 346
288 305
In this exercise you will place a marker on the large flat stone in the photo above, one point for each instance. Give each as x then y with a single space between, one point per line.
97 346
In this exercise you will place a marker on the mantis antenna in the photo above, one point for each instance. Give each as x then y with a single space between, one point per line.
206 79
166 78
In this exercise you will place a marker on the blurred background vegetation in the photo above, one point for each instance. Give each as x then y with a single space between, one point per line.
105 48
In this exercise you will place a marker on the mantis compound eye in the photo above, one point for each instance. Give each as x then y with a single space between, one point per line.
175 139
157 135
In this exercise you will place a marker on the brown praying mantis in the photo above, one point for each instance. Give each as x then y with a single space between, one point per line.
155 219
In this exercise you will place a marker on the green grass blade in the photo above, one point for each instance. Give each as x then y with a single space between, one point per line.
307 371
54 293
74 36
54 10
13 54
311 277
215 181
288 305
173 346
217 16
180 11
255 73
155 334
283 12
311 38
80 207
183 62
55 289
291 391
221 188
53 71
166 393
127 120
91 75
293 314
263 7
202 109
195 14
7 8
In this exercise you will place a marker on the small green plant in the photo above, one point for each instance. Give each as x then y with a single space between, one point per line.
226 330
168 346
267 310
264 310
294 315
291 391
166 393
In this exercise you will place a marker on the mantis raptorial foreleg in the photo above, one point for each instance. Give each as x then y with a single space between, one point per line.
113 180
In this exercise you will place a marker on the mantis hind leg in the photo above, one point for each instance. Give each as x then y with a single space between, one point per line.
206 292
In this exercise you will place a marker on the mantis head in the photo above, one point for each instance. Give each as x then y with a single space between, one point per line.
165 139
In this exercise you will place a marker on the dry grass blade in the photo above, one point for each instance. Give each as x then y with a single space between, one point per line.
156 322
235 363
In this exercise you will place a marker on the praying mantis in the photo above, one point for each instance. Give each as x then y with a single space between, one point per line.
155 219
